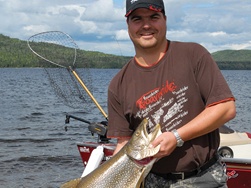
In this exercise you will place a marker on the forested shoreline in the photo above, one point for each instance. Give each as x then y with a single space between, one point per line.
15 53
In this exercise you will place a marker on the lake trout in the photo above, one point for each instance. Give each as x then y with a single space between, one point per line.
127 168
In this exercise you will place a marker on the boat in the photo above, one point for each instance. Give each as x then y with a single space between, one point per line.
235 148
234 144
237 160
238 172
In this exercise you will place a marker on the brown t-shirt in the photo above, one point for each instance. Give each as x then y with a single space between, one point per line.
172 92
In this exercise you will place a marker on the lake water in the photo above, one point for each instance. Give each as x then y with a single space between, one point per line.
35 149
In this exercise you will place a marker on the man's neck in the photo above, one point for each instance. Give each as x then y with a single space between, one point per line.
149 57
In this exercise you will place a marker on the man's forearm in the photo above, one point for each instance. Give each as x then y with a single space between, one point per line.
208 120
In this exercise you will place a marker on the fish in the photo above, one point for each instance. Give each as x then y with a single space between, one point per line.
127 168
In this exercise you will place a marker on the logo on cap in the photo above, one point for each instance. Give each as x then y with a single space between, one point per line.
133 1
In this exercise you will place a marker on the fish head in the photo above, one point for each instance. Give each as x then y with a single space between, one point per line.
138 148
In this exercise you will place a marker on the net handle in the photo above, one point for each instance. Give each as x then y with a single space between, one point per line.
88 92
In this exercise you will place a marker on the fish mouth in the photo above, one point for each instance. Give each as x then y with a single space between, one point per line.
138 147
144 162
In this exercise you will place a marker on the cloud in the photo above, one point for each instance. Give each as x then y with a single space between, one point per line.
100 24
102 11
215 24
122 35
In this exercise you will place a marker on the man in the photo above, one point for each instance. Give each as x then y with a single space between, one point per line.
179 86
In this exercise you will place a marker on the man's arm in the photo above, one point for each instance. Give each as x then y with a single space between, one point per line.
208 120
120 143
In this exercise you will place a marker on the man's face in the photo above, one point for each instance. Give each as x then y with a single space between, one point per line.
146 28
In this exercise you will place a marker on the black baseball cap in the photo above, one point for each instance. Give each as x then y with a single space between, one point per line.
155 5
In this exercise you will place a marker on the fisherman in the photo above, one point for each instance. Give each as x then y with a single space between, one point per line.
179 86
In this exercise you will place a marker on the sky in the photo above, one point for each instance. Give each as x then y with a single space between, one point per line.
100 25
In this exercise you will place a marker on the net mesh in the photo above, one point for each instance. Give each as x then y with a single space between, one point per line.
68 89
55 47
58 53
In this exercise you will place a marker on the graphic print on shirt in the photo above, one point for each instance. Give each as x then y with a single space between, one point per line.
164 105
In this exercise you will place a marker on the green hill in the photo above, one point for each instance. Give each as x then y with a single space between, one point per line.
232 55
15 53
233 59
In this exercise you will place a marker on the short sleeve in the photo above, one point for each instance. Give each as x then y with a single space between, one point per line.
212 84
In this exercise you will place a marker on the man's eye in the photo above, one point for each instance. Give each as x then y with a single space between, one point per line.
135 19
155 17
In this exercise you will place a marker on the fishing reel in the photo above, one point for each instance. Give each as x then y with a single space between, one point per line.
99 128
